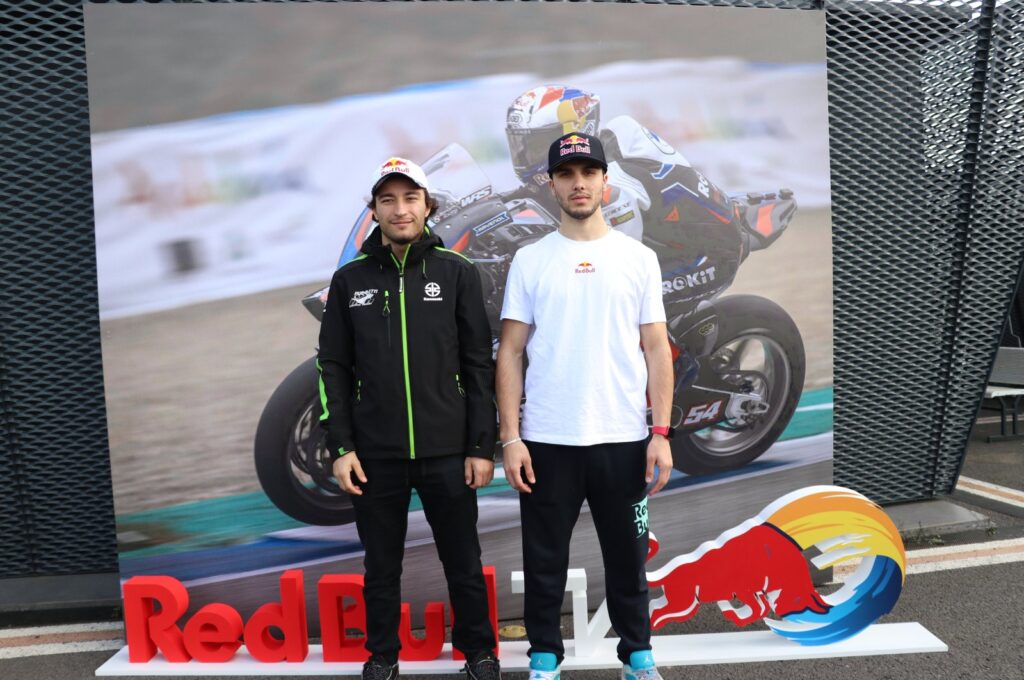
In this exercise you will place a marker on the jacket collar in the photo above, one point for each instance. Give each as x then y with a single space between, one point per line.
375 247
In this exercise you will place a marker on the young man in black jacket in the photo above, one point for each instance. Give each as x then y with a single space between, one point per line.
406 386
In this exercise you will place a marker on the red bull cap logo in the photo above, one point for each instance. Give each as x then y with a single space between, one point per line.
761 564
401 166
573 144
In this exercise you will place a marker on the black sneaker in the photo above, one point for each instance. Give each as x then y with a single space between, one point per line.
379 668
483 666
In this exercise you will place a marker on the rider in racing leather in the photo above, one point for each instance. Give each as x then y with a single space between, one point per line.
653 194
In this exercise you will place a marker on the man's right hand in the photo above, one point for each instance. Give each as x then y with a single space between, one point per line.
518 465
343 469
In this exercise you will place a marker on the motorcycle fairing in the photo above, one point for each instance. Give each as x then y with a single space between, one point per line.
356 238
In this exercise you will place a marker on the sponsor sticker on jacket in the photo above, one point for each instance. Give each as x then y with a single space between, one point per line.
363 298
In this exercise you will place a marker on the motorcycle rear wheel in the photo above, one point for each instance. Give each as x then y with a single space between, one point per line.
291 458
751 329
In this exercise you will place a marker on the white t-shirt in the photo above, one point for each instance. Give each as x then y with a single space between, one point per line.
586 382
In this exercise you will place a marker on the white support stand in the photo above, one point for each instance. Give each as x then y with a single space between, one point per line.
586 632
669 650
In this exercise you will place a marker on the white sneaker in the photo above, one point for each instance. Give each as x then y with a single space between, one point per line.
640 667
544 666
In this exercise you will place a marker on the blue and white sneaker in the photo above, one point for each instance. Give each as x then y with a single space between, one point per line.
544 666
641 667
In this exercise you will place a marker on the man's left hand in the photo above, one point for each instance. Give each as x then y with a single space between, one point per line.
479 472
658 451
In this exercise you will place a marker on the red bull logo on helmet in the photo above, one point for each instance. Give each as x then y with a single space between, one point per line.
761 564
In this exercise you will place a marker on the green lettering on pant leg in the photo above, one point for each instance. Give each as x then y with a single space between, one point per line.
640 517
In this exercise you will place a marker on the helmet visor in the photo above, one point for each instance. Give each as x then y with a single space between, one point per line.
529 148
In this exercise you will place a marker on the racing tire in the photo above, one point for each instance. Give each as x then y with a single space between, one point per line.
748 318
289 440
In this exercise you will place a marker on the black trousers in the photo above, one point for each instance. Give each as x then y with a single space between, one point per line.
611 479
382 514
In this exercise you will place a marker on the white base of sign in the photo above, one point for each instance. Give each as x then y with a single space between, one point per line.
669 650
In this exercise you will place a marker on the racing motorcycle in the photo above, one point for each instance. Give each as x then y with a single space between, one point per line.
739 360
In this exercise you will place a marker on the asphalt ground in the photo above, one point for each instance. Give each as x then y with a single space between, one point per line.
974 610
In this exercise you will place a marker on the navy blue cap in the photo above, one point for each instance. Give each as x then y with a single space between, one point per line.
573 147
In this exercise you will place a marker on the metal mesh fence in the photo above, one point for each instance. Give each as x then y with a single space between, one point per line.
56 510
994 252
925 119
897 128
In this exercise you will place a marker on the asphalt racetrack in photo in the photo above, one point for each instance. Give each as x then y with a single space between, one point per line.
185 389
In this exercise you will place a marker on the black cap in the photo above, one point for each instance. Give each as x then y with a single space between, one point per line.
573 147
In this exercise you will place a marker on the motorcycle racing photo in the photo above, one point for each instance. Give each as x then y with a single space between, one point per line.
227 198
739 361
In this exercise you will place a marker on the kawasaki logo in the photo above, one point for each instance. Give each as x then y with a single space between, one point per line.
432 291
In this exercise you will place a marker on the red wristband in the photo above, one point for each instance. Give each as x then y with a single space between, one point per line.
665 431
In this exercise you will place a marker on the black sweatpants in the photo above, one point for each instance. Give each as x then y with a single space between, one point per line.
449 505
611 479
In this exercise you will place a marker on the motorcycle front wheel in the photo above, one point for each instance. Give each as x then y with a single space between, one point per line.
292 463
759 340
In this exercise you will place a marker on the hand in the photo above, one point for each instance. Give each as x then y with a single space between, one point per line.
479 472
658 451
516 456
343 469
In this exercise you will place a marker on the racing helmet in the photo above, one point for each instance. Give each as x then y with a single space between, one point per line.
538 117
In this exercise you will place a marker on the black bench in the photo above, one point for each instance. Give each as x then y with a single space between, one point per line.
1006 386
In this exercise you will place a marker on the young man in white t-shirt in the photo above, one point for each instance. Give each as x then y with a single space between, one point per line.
584 303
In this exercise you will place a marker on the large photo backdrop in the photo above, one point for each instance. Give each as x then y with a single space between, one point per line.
232 148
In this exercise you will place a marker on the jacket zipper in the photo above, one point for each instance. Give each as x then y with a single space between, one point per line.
405 348
458 384
359 390
386 313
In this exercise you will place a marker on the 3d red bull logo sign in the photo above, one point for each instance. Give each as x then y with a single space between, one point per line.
761 564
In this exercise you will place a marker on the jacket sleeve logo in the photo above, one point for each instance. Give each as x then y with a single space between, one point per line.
362 298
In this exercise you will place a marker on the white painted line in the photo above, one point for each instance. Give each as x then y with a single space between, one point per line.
965 563
669 650
115 626
946 550
949 557
994 492
60 648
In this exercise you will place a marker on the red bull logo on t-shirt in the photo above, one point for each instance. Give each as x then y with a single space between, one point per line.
585 268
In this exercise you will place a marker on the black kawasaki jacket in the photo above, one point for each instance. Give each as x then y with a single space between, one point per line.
405 355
